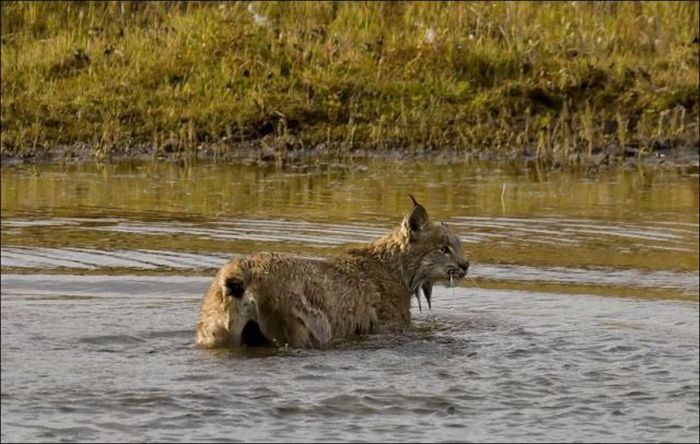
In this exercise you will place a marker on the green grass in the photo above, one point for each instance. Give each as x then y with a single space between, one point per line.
560 80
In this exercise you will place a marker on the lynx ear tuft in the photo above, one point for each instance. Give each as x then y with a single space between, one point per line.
418 218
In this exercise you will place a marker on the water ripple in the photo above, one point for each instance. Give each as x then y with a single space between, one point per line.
148 259
537 362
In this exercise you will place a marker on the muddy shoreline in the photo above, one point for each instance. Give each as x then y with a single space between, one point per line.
259 152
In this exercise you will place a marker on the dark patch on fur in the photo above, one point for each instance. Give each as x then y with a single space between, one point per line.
234 288
253 337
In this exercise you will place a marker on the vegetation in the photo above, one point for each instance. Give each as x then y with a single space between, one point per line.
565 82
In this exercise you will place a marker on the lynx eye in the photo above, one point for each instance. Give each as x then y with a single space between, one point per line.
446 249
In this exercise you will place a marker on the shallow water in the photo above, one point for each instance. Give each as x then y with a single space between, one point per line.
578 321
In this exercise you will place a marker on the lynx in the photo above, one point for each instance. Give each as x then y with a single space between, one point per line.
282 300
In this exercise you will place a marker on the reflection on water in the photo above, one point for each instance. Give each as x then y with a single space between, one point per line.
578 320
624 228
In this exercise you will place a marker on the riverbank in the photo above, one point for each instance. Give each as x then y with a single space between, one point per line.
562 83
686 159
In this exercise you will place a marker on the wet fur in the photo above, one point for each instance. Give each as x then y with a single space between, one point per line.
275 299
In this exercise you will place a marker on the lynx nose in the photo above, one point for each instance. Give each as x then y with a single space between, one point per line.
464 265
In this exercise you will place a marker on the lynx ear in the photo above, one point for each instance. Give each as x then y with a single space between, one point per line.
418 218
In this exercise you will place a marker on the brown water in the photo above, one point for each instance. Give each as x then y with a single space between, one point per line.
578 321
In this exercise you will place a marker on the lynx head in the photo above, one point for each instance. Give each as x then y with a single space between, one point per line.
435 250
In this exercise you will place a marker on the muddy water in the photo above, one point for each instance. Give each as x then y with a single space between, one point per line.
578 321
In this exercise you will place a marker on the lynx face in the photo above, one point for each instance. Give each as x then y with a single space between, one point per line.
444 260
438 249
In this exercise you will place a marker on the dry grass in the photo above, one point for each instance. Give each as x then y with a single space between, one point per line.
560 80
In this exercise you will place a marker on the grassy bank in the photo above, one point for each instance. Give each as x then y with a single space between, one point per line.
566 82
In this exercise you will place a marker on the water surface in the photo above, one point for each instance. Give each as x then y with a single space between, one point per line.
578 320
